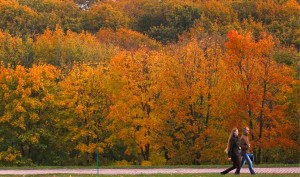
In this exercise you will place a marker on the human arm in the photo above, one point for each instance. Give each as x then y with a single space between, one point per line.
243 144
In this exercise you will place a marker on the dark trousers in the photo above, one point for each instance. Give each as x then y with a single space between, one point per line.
236 165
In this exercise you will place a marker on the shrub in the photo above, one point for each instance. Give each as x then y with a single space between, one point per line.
146 163
122 163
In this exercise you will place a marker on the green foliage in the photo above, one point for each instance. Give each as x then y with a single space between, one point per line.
13 50
104 16
289 57
63 49
217 17
126 39
166 20
157 159
55 12
178 20
279 18
162 33
17 19
27 98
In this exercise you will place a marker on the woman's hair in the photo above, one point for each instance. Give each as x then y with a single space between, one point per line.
230 136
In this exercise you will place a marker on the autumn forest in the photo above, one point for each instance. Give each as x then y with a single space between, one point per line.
147 82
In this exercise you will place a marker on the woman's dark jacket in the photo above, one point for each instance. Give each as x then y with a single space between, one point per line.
234 147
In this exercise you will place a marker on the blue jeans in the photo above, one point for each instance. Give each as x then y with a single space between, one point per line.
248 158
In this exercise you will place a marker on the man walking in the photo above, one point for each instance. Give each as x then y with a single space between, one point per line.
245 147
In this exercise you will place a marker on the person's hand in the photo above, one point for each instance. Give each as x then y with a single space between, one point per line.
229 158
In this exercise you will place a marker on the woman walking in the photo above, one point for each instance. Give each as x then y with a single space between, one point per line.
233 151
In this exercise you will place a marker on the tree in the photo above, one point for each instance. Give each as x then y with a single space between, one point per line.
84 107
160 20
277 17
64 13
217 17
15 51
103 15
193 106
290 57
261 86
17 19
27 97
135 113
126 39
63 49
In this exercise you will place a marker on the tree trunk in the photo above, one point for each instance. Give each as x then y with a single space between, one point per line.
261 121
208 110
146 152
261 114
252 134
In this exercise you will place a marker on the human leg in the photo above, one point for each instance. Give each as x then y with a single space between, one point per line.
231 168
249 162
237 165
251 156
243 162
228 170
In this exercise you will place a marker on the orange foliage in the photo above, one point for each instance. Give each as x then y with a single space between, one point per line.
260 88
136 112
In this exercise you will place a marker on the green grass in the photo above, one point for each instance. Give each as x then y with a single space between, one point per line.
157 175
143 167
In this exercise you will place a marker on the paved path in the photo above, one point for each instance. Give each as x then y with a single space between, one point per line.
295 170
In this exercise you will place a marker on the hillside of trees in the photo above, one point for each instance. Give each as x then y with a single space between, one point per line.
147 82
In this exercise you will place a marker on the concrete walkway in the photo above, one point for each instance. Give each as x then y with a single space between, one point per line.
279 170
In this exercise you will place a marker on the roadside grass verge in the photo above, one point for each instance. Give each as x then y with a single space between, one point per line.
142 167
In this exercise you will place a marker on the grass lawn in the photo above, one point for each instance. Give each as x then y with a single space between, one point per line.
157 175
143 167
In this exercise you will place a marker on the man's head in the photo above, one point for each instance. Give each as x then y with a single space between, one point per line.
246 131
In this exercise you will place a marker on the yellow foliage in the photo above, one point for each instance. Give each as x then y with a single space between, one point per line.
34 139
9 155
34 117
122 163
145 163
5 118
20 108
90 148
157 159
